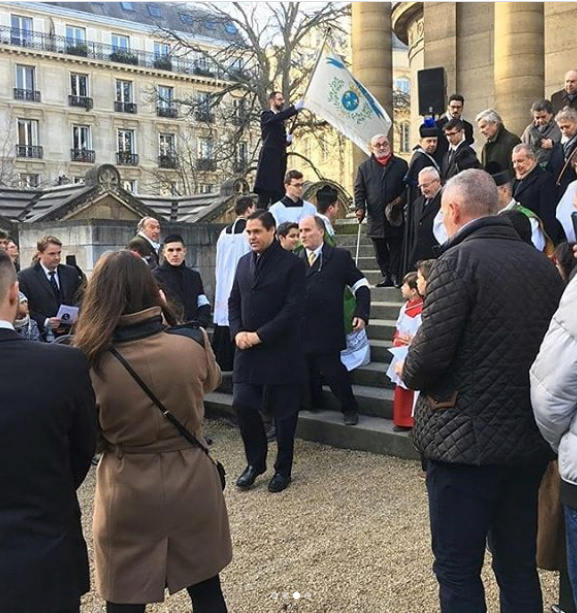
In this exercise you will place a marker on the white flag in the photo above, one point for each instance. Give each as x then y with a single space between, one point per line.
335 95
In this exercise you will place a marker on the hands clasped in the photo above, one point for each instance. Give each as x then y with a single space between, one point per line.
246 340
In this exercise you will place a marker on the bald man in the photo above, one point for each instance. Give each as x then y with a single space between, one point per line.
568 95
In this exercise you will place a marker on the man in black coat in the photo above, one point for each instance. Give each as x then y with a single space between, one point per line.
420 238
423 156
182 285
490 299
146 242
272 159
380 181
47 440
48 285
564 154
454 111
459 155
265 310
329 271
534 188
568 95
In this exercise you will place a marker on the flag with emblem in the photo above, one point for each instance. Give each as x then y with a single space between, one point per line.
335 95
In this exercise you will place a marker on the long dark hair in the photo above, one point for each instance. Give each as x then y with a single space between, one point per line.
121 284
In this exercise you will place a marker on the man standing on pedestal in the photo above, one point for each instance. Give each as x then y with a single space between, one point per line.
265 309
272 159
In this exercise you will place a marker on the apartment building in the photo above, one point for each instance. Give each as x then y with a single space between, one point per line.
103 82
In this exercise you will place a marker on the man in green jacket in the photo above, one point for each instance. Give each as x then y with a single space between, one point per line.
500 142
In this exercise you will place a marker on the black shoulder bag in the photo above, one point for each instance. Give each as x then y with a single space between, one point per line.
170 417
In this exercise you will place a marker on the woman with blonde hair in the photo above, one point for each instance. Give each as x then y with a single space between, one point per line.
160 519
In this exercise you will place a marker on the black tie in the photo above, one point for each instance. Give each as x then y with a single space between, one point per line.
54 285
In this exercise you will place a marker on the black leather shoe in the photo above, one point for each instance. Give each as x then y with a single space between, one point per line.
395 281
278 483
249 476
351 418
386 282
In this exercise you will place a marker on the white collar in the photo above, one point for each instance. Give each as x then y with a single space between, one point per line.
47 272
454 148
316 251
6 325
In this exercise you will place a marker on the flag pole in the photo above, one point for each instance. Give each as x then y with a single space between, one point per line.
322 47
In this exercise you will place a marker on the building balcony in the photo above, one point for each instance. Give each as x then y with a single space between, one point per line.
205 164
170 112
124 56
125 107
125 158
162 62
81 101
167 161
204 116
29 151
77 48
30 95
86 156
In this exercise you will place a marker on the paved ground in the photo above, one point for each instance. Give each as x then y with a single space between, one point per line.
350 535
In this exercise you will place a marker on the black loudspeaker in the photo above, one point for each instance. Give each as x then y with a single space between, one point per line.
431 91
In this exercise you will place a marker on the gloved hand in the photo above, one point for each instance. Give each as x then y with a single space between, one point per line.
299 105
360 213
289 139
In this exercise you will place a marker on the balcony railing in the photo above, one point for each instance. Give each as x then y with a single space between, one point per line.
124 158
108 53
167 111
86 156
167 161
205 164
29 151
30 95
81 101
125 107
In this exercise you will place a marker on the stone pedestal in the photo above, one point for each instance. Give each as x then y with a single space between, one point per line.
519 68
372 55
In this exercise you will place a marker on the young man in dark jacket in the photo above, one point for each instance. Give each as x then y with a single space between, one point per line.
490 298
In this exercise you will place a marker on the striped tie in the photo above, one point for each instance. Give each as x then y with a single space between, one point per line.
312 258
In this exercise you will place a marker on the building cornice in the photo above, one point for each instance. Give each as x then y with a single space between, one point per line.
402 15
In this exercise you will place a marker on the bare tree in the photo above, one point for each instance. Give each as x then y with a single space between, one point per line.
273 46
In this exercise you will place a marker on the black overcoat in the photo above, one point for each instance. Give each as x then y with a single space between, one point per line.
42 301
375 187
267 297
326 279
463 159
47 440
556 164
443 144
537 193
422 241
272 158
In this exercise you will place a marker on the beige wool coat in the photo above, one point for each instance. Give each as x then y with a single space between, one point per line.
160 518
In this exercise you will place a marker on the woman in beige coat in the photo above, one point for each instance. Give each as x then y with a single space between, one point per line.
160 518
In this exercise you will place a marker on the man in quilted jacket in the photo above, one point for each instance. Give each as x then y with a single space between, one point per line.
490 298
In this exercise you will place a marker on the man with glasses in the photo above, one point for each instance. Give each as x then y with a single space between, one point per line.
454 111
380 182
292 207
459 156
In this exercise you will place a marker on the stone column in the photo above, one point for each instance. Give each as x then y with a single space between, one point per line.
372 55
519 67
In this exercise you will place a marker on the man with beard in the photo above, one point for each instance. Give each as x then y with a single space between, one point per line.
272 159
543 132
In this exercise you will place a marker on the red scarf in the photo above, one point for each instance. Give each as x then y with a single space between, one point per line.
383 161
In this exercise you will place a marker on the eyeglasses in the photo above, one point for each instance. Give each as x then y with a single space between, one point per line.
425 185
453 133
381 145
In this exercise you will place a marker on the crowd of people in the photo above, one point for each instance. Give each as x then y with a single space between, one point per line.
484 361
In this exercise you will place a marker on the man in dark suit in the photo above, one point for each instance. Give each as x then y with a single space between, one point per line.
454 111
421 240
568 95
534 188
564 153
459 155
329 271
272 159
265 309
146 242
379 182
48 285
47 440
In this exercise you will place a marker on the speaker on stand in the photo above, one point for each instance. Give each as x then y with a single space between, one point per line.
432 91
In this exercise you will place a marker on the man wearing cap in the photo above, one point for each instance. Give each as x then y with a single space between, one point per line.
459 156
534 188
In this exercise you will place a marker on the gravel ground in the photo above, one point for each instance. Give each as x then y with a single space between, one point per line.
350 535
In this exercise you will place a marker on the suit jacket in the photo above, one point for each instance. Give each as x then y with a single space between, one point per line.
499 150
560 100
326 279
267 298
422 240
537 193
47 440
443 143
463 158
375 187
272 163
561 174
42 301
149 253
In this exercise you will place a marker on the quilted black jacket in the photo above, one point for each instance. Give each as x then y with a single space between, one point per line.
490 298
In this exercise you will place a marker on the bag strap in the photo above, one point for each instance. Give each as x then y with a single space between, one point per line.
165 412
